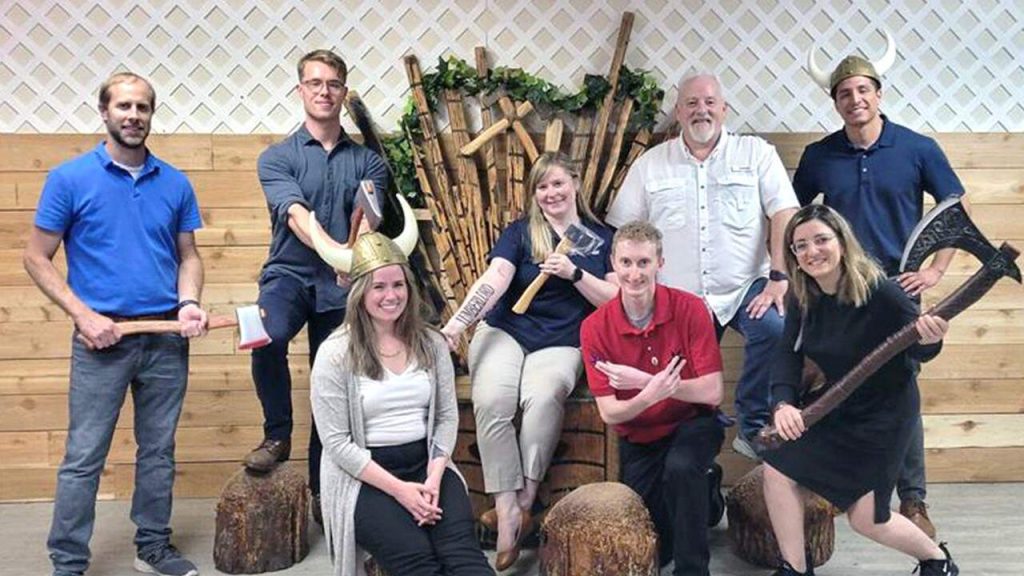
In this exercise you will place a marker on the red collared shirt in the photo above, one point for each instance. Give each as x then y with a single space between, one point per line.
681 326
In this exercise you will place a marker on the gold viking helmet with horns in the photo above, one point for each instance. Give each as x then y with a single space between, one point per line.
371 251
852 66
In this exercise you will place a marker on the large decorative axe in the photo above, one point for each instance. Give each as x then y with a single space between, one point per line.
945 226
249 320
578 239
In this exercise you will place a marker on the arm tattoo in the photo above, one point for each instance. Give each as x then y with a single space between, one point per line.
474 307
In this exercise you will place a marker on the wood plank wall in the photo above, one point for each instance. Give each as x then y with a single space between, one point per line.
973 394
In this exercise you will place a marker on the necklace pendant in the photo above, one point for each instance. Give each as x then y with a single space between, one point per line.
654 360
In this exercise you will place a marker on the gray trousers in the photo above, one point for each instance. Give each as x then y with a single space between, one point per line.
505 378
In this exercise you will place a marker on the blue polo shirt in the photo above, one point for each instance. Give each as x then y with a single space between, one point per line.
120 234
554 316
879 190
298 170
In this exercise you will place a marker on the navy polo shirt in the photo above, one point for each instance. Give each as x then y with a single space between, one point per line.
120 234
554 316
880 190
299 170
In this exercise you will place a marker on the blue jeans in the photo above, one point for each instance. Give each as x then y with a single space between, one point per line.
753 390
289 305
155 368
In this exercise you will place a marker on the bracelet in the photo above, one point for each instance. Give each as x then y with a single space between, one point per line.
184 303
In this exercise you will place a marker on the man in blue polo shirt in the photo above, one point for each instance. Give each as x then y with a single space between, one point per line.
127 221
318 168
875 173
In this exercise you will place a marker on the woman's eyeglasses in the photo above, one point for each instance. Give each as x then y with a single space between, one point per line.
819 241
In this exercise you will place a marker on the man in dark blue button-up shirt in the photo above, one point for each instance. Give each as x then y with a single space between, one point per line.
316 169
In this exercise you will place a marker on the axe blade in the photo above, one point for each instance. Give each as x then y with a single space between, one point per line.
947 225
251 332
584 241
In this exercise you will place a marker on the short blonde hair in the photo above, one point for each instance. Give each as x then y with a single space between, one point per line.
638 231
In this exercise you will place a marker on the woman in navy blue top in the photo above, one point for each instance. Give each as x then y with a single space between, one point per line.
532 360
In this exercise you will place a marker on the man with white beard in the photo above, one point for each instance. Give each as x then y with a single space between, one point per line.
722 202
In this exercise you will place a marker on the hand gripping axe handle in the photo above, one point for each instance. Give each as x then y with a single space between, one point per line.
252 333
577 239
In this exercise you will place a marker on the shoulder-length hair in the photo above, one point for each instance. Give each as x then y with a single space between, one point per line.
411 328
858 272
540 231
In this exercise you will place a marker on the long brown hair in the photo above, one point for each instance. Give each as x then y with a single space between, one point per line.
540 231
858 272
410 327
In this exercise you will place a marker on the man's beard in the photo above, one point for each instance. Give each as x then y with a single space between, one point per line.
116 134
703 133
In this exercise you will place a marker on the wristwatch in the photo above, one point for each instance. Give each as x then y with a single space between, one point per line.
577 275
778 276
184 303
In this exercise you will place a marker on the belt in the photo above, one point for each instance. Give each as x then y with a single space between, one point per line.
169 315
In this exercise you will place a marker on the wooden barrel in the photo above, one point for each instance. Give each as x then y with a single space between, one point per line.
600 529
750 529
262 522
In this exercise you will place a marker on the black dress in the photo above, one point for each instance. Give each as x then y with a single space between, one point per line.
859 447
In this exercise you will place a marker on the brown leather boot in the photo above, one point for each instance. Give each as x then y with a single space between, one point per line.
917 512
268 455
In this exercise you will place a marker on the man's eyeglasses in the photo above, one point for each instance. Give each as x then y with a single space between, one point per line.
315 85
819 241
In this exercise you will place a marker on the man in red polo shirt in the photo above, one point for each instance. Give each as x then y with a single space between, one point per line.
655 369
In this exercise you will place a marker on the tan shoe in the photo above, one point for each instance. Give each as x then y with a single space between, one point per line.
489 519
917 512
268 455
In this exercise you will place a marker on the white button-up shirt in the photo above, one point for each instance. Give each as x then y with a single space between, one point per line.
713 215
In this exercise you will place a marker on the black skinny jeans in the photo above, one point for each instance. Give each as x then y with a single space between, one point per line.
385 529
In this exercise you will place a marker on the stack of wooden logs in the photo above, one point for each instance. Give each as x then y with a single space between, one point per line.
474 186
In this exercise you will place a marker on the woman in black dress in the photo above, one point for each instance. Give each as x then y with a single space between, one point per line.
844 307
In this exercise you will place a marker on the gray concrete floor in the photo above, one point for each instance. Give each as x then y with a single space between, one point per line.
980 522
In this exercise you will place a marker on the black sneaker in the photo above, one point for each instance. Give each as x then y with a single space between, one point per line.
166 561
716 503
944 567
787 570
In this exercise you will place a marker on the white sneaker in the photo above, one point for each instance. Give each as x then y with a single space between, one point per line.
742 446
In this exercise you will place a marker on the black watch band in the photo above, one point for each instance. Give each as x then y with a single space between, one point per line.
778 276
184 303
577 275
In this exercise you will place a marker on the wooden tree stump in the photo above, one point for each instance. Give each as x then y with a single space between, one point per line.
600 529
261 522
751 530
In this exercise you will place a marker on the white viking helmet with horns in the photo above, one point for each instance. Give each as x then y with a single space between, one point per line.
852 66
339 256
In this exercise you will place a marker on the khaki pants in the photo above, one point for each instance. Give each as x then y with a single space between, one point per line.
505 377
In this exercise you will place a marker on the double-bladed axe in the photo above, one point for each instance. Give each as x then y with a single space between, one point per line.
945 226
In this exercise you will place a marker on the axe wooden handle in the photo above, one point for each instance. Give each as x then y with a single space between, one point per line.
170 326
564 246
355 223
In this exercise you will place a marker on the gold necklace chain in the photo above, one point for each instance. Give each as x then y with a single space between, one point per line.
400 350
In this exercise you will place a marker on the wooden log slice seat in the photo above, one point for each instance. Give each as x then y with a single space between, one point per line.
600 529
750 529
262 522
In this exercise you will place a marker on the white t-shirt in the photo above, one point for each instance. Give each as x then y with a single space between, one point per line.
395 408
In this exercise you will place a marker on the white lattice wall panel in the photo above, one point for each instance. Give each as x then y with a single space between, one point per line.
227 66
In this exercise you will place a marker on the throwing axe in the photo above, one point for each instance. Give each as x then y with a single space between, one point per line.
578 239
249 320
945 226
